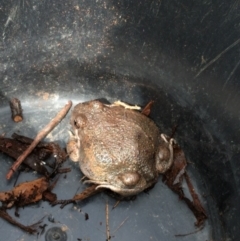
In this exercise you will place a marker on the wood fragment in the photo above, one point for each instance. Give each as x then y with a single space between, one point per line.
187 234
49 147
107 223
88 192
49 196
116 204
147 109
120 225
63 170
30 229
36 159
14 149
24 139
173 179
42 134
197 207
16 110
25 193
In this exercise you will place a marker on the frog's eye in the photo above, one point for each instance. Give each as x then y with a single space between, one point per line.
80 121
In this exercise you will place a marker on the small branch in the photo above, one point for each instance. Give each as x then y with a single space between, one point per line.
197 207
16 110
121 224
89 191
147 109
186 234
42 134
116 204
63 170
62 202
107 223
30 229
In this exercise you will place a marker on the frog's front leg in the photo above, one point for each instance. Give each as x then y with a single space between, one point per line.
73 147
164 158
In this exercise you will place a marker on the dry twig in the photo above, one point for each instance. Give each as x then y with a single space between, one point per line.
28 192
30 229
147 109
107 223
88 192
42 134
16 109
120 225
173 179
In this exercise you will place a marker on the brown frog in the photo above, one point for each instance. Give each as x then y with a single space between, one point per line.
118 147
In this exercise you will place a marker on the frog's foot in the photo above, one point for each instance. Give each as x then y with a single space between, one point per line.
126 106
165 155
73 147
83 179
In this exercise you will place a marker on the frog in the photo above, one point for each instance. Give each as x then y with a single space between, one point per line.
118 147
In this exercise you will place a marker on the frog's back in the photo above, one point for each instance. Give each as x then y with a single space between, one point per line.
123 137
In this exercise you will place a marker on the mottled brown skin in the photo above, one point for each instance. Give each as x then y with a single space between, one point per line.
117 148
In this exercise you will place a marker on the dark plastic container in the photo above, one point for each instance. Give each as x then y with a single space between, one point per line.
184 55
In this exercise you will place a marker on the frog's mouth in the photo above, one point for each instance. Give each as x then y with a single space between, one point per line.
123 191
